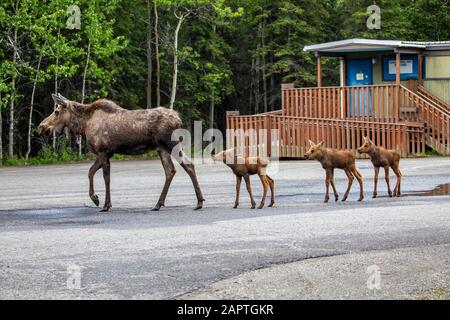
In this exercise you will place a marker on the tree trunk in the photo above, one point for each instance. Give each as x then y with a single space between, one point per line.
175 61
211 111
158 66
252 84
56 92
272 86
1 131
263 44
83 92
11 106
149 55
30 118
257 79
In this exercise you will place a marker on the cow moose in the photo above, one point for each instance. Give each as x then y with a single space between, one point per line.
110 129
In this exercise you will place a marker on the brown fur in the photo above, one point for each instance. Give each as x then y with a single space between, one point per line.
336 159
383 158
244 167
110 129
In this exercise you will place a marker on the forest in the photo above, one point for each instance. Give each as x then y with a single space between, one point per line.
198 57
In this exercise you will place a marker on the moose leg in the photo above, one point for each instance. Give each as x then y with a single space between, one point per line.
327 185
106 166
358 177
265 189
272 190
187 165
238 190
386 176
336 195
350 182
94 168
170 171
249 189
375 182
398 173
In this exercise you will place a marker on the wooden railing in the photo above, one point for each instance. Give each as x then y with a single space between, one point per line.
437 121
438 102
372 103
286 136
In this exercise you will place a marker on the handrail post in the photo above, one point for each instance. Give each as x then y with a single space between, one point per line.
284 88
397 83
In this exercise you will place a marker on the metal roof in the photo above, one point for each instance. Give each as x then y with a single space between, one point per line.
355 45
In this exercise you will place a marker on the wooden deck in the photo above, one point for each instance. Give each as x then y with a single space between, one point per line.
392 116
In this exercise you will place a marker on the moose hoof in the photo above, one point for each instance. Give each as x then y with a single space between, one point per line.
374 195
94 199
199 206
361 199
344 199
390 194
271 205
105 209
155 209
260 207
235 206
336 198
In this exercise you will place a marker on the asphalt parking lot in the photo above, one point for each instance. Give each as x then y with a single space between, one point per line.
48 226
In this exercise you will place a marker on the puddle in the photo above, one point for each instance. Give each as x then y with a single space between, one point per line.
440 190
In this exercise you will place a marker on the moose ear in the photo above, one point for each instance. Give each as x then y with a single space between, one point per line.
321 144
311 143
60 100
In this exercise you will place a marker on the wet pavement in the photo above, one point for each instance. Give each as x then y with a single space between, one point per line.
48 223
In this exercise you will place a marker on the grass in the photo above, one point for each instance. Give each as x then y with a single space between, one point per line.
429 153
65 154
437 293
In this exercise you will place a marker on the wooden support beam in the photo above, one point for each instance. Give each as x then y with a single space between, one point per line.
397 68
397 84
342 83
319 71
420 66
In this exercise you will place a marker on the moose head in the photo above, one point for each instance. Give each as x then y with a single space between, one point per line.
367 146
65 115
314 150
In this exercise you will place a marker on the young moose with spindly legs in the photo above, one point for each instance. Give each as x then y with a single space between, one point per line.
244 167
110 129
383 158
335 159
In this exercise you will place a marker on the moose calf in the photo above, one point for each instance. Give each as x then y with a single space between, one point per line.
383 158
332 159
244 167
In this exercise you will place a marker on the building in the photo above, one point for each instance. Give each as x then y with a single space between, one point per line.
396 92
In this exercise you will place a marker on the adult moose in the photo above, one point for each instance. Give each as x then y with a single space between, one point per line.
110 129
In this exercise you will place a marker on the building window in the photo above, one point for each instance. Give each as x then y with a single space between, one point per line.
408 67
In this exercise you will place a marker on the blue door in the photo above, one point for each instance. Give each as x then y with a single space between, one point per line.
359 73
